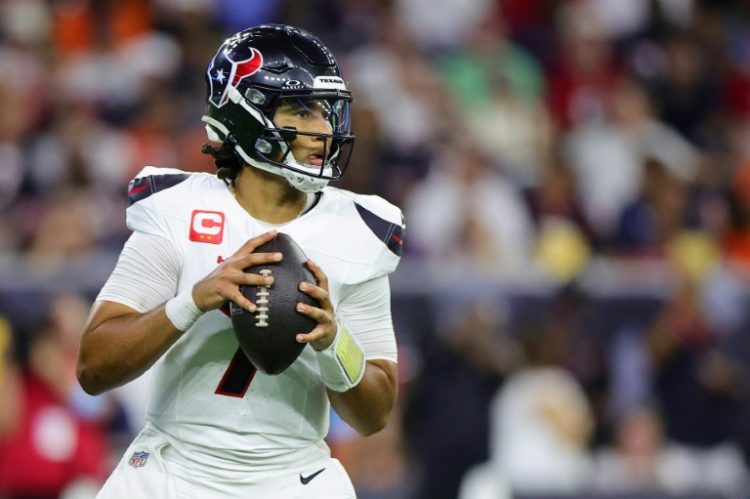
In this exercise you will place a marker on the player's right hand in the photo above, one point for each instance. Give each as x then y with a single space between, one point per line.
224 282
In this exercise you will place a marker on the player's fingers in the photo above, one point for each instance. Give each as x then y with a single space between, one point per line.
239 299
318 315
314 335
320 294
256 241
245 261
232 292
318 273
251 279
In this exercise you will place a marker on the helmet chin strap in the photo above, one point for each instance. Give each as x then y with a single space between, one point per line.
299 181
303 182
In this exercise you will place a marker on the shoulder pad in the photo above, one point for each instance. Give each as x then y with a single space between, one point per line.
151 180
382 218
362 234
392 234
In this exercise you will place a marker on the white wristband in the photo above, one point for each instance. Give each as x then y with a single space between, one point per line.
182 311
342 364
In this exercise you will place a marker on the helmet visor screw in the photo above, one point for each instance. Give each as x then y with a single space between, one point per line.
255 96
263 146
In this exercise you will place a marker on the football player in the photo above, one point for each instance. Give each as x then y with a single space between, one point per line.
278 126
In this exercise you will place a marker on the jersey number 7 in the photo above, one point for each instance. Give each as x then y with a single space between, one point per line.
237 377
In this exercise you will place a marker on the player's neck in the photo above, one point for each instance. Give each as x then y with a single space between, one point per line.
268 197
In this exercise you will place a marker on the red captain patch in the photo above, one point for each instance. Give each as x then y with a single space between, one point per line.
207 226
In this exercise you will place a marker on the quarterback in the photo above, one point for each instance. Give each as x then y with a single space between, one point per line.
278 127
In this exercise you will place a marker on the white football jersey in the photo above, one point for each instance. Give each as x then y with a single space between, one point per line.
204 392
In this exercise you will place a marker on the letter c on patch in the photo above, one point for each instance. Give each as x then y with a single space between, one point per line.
207 226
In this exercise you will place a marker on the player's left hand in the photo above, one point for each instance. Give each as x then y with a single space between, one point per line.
324 333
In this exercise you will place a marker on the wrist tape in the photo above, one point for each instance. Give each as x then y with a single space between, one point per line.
182 311
342 364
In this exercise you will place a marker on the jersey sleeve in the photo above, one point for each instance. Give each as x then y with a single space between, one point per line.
148 268
146 273
366 310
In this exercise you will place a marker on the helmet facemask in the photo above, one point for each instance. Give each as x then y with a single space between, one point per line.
319 127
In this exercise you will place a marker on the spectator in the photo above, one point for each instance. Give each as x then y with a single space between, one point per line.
607 157
641 461
498 88
654 217
541 423
692 368
9 382
564 239
586 71
467 212
470 354
57 444
687 95
409 107
441 24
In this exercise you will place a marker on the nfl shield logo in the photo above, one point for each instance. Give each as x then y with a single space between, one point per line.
138 459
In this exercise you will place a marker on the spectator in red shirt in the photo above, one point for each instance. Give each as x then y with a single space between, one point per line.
51 446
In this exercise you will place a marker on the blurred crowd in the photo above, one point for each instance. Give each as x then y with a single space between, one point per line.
572 310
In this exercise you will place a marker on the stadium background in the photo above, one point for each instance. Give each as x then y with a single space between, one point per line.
572 310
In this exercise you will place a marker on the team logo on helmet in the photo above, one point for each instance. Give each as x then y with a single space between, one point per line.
228 69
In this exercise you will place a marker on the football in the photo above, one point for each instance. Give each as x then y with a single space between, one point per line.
267 336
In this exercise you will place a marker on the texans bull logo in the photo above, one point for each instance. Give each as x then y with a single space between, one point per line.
227 69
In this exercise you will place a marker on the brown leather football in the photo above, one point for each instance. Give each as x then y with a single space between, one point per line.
267 336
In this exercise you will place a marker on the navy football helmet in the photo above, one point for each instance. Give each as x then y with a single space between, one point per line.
257 70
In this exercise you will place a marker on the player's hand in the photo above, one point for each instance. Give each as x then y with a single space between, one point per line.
224 282
325 332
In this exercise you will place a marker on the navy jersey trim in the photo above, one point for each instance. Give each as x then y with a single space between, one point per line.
391 234
142 187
